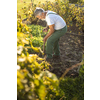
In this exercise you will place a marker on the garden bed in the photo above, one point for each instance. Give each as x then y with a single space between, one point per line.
72 50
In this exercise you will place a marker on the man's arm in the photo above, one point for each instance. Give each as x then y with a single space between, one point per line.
51 27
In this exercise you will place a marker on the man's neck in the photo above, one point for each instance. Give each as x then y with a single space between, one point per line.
45 13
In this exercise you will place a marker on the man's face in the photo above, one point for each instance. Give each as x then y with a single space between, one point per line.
42 16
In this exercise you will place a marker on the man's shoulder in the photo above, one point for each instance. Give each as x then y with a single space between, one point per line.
50 12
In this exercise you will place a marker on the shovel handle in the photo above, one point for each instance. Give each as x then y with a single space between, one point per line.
43 47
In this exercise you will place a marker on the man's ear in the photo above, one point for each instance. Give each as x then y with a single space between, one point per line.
42 13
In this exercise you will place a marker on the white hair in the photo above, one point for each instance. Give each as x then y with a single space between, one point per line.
38 11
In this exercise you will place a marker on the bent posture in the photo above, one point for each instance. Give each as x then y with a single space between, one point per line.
57 27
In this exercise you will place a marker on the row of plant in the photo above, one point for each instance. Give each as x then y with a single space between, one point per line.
36 37
35 33
34 82
71 14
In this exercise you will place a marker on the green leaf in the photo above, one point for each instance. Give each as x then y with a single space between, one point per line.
42 92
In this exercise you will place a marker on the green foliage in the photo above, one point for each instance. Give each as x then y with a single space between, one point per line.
37 30
34 34
36 37
75 1
33 82
73 88
38 34
70 13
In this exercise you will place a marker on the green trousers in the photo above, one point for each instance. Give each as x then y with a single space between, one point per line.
53 42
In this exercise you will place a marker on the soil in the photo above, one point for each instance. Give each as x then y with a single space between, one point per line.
72 50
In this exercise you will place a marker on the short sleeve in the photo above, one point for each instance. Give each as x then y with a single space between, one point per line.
49 21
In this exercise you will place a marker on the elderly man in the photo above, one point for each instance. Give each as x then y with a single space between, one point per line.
57 27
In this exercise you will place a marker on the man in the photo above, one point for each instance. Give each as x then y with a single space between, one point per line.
57 27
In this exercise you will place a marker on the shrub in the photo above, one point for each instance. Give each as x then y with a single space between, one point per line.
73 88
75 1
63 8
33 82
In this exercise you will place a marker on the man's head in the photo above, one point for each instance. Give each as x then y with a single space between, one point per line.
39 13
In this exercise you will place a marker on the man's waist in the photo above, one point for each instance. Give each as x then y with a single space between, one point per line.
60 28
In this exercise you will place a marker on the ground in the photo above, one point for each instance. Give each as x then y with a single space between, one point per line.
72 50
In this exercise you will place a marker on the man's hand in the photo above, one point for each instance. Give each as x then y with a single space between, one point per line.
45 30
44 39
50 32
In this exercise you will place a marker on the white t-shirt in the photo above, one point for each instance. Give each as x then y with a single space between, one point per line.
55 19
